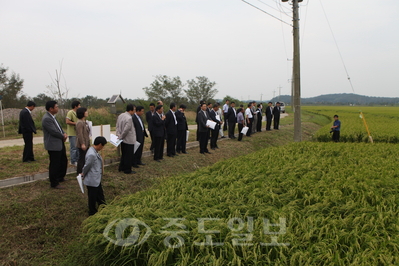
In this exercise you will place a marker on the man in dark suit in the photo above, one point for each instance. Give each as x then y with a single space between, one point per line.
140 136
214 116
148 118
276 114
269 116
203 129
27 128
171 131
182 128
158 129
196 118
232 119
259 120
54 142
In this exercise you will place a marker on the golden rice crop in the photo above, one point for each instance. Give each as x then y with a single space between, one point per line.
300 204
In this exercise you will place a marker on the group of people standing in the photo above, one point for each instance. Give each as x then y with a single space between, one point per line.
170 126
130 128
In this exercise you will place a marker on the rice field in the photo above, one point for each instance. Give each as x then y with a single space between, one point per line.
382 122
303 203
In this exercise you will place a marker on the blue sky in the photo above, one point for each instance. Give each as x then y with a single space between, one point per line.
112 46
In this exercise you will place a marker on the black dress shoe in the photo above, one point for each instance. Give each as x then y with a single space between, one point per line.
141 164
58 187
135 166
222 137
170 155
217 147
175 154
131 172
185 152
208 152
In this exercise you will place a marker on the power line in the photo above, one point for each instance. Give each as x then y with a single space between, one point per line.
267 13
336 44
279 10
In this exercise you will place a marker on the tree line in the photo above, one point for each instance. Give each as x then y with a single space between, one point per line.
164 88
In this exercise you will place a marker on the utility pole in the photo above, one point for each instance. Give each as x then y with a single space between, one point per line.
279 92
261 97
297 74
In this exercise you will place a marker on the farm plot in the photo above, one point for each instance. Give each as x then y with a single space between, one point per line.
301 204
383 123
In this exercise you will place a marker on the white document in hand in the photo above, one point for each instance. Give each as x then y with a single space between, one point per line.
114 140
136 146
79 178
244 130
211 124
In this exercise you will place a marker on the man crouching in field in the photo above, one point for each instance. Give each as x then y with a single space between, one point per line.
92 174
335 129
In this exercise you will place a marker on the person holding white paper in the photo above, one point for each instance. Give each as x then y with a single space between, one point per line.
215 131
141 134
203 129
240 122
92 174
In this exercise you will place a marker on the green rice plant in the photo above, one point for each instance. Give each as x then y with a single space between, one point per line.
301 204
383 123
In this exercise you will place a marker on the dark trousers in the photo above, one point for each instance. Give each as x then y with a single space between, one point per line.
152 141
225 122
276 122
335 136
96 196
249 125
268 123
125 164
240 126
214 137
181 141
171 144
28 149
81 161
232 127
203 141
58 166
259 124
158 147
138 154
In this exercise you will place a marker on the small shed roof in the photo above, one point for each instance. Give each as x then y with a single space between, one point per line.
115 98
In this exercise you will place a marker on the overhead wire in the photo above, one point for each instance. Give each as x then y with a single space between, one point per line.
273 8
336 44
267 13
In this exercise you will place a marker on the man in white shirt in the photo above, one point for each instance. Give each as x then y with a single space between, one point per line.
225 110
250 119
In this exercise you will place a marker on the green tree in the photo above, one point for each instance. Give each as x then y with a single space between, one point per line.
231 99
41 99
11 89
200 89
166 89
